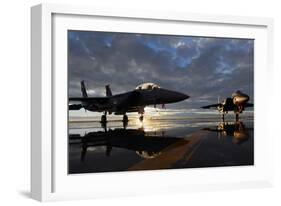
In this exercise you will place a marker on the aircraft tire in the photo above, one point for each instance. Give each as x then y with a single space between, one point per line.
125 118
103 118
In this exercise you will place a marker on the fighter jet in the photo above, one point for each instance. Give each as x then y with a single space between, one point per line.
133 101
237 103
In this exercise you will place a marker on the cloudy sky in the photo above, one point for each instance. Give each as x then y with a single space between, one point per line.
204 68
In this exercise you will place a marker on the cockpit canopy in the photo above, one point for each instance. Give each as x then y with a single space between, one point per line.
147 86
238 93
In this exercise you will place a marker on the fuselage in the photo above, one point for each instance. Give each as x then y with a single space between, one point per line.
135 100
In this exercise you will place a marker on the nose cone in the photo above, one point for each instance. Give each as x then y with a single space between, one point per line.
244 98
164 96
239 99
173 96
181 96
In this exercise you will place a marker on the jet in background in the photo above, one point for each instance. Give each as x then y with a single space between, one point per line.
133 101
237 103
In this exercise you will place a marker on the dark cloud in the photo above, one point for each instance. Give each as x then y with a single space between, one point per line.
204 68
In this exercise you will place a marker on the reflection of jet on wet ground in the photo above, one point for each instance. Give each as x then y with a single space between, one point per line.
236 130
237 103
157 150
147 145
132 101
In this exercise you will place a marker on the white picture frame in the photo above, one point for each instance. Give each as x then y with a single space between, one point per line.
49 179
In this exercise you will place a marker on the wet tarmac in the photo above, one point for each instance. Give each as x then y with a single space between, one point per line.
164 142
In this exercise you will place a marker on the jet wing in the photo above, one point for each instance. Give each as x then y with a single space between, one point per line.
122 103
87 101
93 100
249 105
211 105
75 106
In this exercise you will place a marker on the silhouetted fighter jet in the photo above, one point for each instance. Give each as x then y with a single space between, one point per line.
237 103
132 101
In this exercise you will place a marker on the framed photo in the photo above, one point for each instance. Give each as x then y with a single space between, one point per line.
136 102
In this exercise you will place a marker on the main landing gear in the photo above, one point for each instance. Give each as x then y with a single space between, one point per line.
222 117
103 118
125 121
141 118
125 118
237 117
